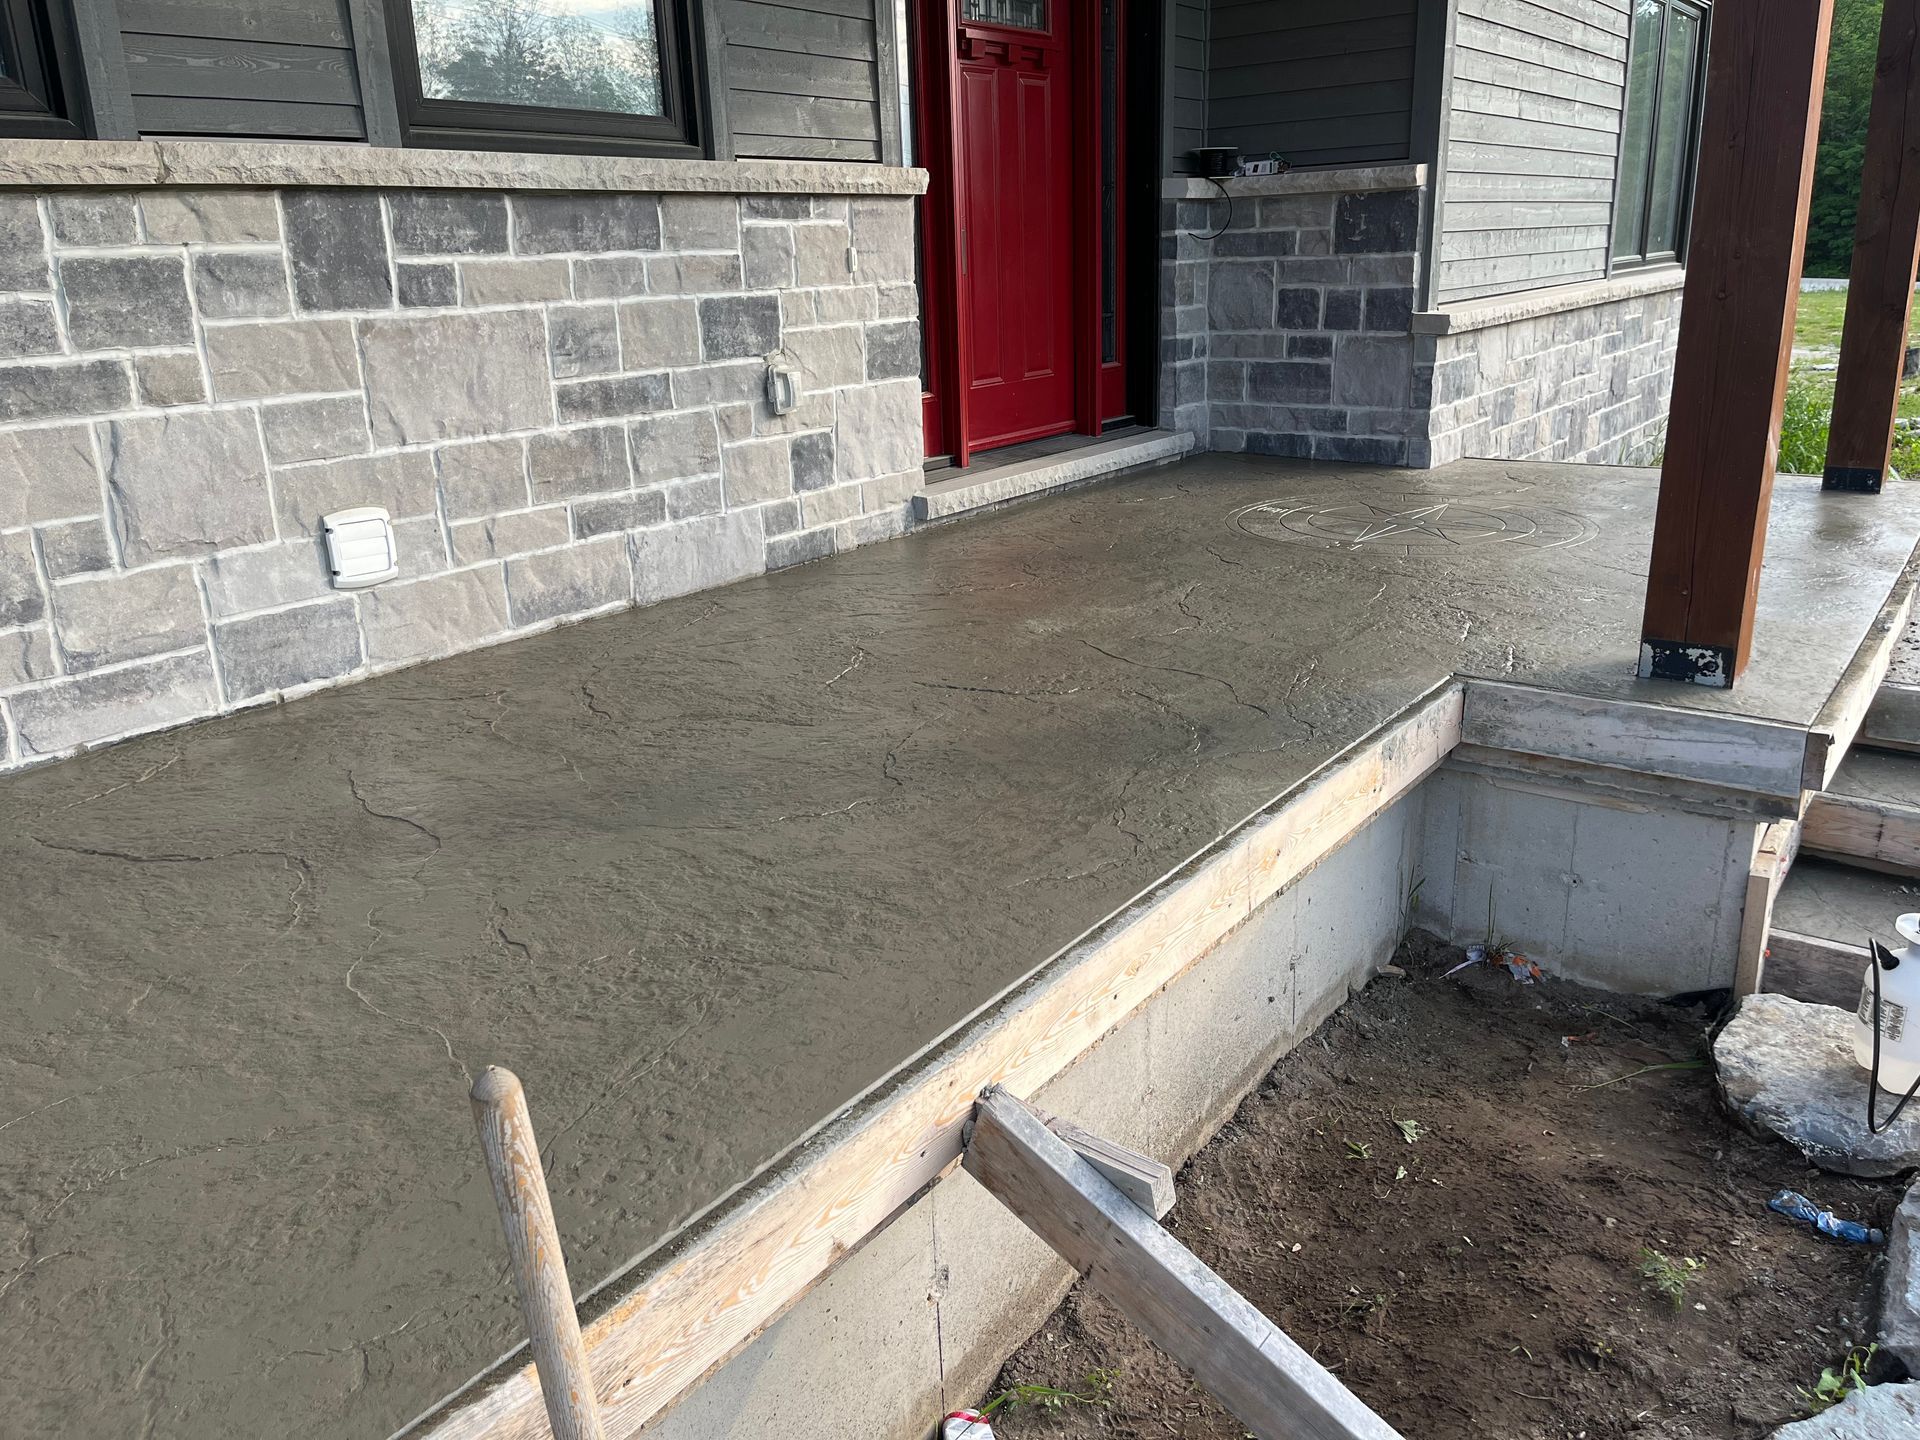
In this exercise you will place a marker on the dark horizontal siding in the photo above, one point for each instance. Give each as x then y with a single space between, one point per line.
803 79
1533 142
241 67
1321 84
1187 97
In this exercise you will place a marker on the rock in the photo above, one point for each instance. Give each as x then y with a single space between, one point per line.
1787 1068
1900 1300
1880 1412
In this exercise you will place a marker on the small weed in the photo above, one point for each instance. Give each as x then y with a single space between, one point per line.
1359 1150
1669 1277
1367 1311
1833 1386
1410 1130
1399 1172
1095 1389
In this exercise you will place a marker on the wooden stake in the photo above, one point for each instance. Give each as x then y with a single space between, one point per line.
1764 75
1271 1385
1886 248
539 1271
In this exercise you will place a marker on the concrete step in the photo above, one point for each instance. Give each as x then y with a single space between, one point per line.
1824 914
1870 814
985 483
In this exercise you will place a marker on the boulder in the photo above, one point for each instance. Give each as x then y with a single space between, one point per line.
1900 1300
1880 1412
1787 1068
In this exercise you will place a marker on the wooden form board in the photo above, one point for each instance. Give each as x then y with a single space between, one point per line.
1862 830
1774 848
695 1308
1818 971
1841 718
1249 1364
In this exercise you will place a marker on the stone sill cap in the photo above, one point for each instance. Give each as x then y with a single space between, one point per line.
124 163
1343 181
1494 310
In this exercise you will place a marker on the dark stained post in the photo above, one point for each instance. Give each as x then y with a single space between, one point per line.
1764 76
1886 247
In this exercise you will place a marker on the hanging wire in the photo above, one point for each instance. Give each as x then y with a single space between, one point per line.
1225 195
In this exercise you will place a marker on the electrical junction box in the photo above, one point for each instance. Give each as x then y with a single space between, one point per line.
361 550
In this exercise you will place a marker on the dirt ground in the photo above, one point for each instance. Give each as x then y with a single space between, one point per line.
1484 1279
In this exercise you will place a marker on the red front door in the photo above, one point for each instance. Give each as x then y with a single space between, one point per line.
1015 209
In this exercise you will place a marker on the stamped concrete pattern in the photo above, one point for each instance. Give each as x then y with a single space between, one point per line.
559 397
701 873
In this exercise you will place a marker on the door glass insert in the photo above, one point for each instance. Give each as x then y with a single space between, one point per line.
1020 14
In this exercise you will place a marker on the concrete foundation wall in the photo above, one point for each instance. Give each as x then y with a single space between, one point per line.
921 1318
560 399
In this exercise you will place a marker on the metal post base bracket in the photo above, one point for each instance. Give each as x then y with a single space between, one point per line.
1852 479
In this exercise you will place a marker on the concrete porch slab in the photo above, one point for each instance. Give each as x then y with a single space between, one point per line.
703 875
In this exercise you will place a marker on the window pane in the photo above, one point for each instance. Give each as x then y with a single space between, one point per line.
1022 14
1636 136
560 54
1673 132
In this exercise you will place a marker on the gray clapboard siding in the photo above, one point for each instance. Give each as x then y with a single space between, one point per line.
1187 86
1533 140
803 79
280 68
1321 84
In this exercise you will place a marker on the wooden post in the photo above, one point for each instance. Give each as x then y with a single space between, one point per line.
539 1271
1271 1385
1886 249
1765 69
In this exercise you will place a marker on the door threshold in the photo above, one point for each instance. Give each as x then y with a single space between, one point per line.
984 484
1022 451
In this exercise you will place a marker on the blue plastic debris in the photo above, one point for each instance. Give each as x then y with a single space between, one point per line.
1796 1206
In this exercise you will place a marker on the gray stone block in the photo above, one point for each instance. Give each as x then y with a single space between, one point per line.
812 460
733 327
174 379
128 616
134 698
658 334
1309 347
820 255
783 517
578 462
288 648
116 301
285 357
1256 242
1900 1292
1297 212
893 350
337 249
1361 449
830 507
1373 370
786 551
755 471
239 284
673 447
617 513
499 536
614 397
21 599
448 222
441 615
47 474
737 383
483 477
514 282
776 207
609 277
883 238
848 305
75 547
402 484
23 244
430 286
448 376
25 656
583 340
322 429
1341 310
827 358
690 499
698 555
1377 222
878 430
258 579
1240 295
1289 382
699 222
1297 309
210 217
187 483
766 253
27 328
559 583
1878 1412
575 223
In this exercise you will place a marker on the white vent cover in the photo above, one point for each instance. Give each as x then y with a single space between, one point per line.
360 547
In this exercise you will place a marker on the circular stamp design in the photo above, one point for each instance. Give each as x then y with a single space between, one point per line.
1411 525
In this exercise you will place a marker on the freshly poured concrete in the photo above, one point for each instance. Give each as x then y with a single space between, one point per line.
701 874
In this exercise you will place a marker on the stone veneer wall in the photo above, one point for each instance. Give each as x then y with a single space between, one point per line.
558 397
1590 383
1287 333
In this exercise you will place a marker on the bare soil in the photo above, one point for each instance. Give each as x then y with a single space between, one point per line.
1484 1279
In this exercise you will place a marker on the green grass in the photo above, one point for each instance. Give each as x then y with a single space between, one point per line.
1817 323
1804 420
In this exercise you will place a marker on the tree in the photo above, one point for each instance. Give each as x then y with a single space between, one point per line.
531 52
1843 136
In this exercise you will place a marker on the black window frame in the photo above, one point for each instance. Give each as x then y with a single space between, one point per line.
1641 258
472 125
41 95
